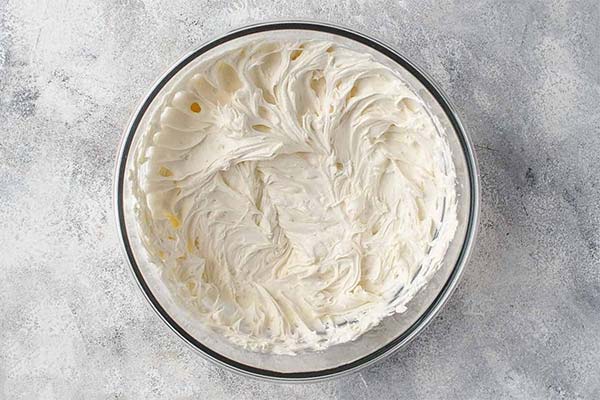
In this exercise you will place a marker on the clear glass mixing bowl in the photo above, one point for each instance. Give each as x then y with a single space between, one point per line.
395 331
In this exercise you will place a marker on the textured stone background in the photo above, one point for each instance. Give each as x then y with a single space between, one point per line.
524 322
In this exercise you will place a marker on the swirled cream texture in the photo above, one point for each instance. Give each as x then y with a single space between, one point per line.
294 194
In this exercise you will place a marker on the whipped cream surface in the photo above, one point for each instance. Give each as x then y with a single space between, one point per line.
293 194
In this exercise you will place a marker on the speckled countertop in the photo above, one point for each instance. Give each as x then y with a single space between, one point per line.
524 322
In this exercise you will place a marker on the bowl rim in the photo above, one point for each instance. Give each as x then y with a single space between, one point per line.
401 340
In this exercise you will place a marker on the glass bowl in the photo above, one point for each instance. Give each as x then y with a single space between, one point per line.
394 331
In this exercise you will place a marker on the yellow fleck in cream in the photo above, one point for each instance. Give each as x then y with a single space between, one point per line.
191 285
175 222
295 54
261 128
190 245
164 171
195 107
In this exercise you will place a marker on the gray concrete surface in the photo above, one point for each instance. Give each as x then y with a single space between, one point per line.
524 322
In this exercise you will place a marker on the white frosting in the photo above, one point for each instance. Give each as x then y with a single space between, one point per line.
294 194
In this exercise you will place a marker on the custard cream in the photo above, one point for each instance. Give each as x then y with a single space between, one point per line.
293 194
